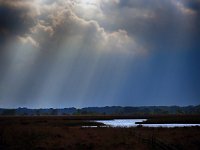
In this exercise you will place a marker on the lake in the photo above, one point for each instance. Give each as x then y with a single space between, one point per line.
132 123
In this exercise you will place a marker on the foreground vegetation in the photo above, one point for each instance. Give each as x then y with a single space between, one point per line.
67 133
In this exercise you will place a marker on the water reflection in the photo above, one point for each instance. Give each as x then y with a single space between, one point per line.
132 123
121 122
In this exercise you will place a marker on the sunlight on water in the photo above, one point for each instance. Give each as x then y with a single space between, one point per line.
121 122
132 123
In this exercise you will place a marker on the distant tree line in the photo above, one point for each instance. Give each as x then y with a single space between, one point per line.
108 110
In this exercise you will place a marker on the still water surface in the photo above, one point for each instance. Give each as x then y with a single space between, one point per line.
132 123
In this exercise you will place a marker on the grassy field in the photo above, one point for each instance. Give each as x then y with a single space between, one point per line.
49 132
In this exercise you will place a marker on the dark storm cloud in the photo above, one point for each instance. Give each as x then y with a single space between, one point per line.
171 23
16 18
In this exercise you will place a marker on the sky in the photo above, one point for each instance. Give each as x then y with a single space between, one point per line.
81 53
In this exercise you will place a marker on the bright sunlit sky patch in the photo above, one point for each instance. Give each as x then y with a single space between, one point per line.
64 53
88 1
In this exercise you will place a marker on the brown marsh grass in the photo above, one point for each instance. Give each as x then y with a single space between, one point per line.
60 133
